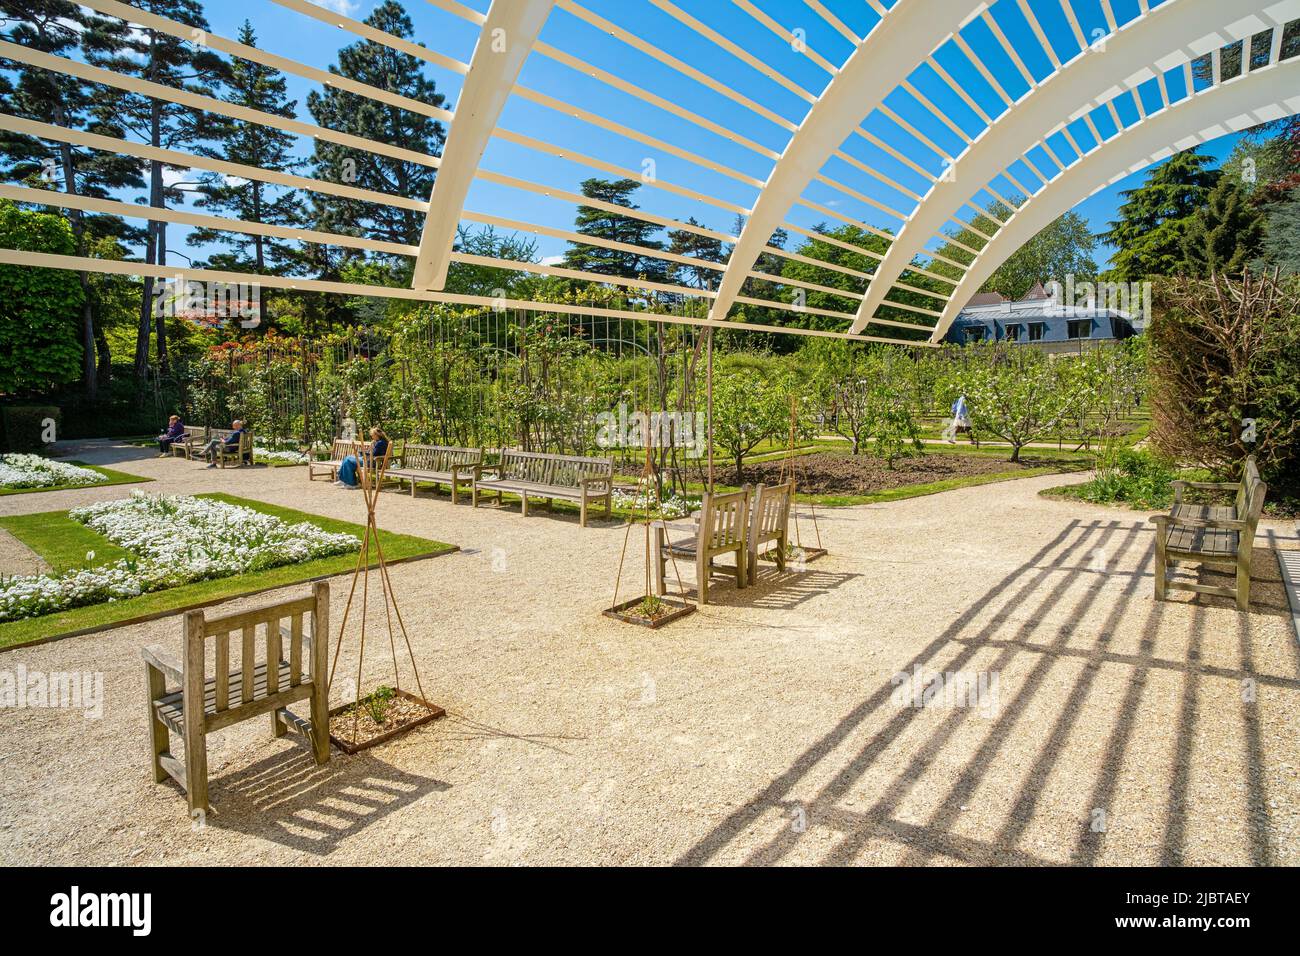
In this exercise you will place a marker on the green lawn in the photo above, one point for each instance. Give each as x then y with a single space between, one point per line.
114 478
64 543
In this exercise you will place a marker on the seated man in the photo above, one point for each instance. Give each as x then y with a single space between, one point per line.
231 443
175 432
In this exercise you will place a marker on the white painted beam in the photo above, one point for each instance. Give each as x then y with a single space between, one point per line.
1266 94
910 31
507 37
1185 28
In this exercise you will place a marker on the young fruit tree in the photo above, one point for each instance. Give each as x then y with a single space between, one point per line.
746 410
1014 393
868 395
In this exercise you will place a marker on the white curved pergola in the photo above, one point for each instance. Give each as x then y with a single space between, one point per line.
901 119
1260 96
1175 32
904 36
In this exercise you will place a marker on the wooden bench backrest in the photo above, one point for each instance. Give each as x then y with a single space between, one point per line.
341 448
245 440
195 433
1250 500
269 649
439 458
564 470
771 511
724 520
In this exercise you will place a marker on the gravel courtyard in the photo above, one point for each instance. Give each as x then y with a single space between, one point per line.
763 729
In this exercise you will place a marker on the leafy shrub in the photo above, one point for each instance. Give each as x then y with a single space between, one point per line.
1133 476
24 426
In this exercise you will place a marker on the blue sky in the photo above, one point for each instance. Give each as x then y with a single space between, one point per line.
287 33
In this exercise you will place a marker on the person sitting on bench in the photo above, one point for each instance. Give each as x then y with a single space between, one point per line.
231 441
175 432
348 470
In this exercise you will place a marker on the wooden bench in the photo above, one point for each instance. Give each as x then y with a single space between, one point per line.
195 437
340 449
243 455
769 521
541 475
723 528
1217 535
202 704
440 464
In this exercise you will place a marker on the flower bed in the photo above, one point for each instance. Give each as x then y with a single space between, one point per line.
174 540
674 506
33 471
280 456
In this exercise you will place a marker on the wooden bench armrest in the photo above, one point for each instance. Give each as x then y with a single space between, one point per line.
595 480
473 469
158 658
1226 524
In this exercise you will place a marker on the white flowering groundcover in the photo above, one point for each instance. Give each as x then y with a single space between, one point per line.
33 471
174 540
674 506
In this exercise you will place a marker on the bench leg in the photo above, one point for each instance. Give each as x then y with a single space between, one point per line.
741 574
196 770
455 486
702 576
399 480
1162 562
609 504
473 495
278 727
159 739
524 506
1243 588
582 512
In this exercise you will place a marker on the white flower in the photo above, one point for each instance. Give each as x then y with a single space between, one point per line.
173 540
33 471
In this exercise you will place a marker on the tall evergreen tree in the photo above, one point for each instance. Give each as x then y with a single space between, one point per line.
614 226
261 88
685 242
1148 235
387 69
1224 235
64 28
180 64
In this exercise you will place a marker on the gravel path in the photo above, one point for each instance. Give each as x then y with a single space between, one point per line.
762 729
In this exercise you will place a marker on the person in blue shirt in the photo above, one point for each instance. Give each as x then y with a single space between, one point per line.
348 477
231 442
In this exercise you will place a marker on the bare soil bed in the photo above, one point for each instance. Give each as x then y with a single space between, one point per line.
823 474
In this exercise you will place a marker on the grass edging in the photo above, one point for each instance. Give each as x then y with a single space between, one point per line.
114 478
398 549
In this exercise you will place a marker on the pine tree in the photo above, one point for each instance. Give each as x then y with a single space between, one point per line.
1224 235
1148 236
180 64
685 242
387 69
261 88
64 28
604 224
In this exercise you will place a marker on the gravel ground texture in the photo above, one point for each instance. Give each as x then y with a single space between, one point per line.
771 727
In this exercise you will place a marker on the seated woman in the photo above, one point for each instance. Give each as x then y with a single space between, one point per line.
175 432
348 470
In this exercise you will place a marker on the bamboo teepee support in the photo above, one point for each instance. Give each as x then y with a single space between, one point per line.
370 473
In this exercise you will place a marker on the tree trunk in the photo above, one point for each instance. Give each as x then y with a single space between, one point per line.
89 376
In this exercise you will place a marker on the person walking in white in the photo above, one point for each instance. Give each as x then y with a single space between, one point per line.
960 420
